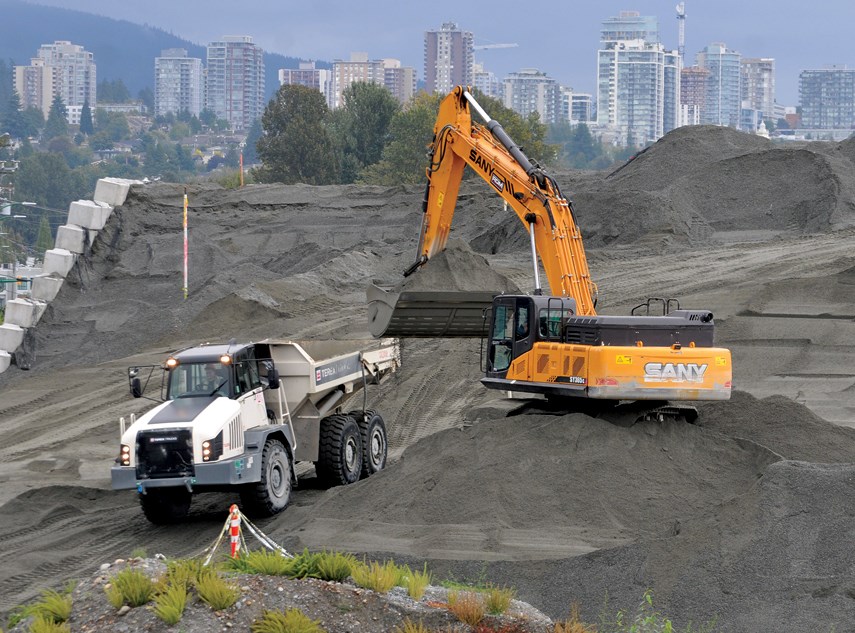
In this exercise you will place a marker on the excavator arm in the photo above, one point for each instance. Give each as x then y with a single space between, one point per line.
532 194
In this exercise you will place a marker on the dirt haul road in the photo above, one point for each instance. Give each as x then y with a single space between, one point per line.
744 516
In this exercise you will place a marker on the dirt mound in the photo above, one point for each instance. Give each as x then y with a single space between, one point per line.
780 189
685 151
458 267
776 559
542 475
781 425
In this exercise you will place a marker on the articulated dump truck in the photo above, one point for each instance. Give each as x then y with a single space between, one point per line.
237 417
553 343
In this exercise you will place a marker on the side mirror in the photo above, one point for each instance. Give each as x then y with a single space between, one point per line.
273 379
136 388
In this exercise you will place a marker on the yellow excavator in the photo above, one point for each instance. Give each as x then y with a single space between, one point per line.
554 345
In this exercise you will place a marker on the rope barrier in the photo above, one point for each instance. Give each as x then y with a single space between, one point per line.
233 527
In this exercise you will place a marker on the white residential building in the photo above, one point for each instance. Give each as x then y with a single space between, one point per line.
307 75
531 90
234 82
449 58
63 69
638 80
178 83
389 73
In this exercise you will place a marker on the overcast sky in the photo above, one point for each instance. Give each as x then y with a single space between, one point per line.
559 38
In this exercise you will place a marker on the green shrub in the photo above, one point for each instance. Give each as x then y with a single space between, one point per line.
169 604
268 563
290 621
183 572
216 592
43 624
335 566
131 587
52 605
415 582
239 564
498 599
114 596
305 565
377 577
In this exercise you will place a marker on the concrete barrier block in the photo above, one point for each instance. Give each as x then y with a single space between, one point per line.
71 238
22 312
46 287
89 214
113 191
5 360
11 337
58 261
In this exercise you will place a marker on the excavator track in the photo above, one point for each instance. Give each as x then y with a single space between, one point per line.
622 413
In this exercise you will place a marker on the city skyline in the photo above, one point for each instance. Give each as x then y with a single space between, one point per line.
332 29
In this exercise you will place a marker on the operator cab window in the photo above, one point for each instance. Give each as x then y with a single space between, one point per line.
502 338
246 369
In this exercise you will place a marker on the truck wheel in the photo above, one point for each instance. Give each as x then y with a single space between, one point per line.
162 506
273 491
340 454
374 443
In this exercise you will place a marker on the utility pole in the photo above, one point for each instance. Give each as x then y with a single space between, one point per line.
12 293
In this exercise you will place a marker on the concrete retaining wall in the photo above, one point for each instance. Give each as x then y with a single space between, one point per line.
85 219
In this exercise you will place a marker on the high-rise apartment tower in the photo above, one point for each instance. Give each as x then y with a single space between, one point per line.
449 58
724 85
178 83
234 84
758 85
638 81
827 98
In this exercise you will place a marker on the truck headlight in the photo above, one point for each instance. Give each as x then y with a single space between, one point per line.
212 449
125 455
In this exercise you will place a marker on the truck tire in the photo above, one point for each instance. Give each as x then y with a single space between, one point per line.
163 506
271 494
374 442
340 451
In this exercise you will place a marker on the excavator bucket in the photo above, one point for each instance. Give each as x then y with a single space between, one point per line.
428 314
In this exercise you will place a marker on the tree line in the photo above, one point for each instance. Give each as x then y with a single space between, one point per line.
372 139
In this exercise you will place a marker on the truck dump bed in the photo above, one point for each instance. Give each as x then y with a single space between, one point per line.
318 376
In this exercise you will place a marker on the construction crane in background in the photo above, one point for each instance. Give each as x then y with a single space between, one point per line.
482 47
681 34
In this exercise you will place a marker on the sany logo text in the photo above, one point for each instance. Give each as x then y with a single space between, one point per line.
674 372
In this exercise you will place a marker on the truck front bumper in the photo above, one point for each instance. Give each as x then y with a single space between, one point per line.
228 472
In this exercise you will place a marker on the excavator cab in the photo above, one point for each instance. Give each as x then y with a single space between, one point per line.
518 322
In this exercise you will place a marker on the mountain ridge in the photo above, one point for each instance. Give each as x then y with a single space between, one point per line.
122 49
